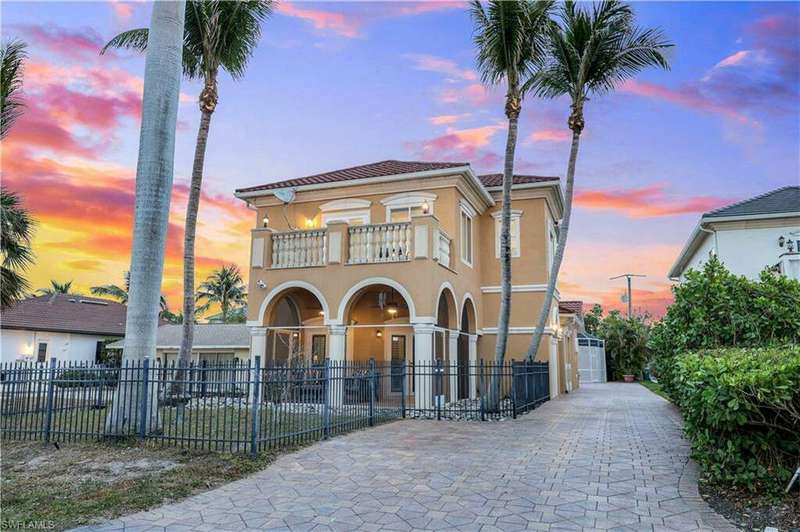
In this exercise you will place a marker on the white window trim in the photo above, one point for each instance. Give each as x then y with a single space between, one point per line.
346 216
515 214
407 200
346 209
466 210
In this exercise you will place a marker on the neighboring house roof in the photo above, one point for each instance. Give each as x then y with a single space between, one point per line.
69 313
571 307
206 336
496 180
784 200
364 171
778 203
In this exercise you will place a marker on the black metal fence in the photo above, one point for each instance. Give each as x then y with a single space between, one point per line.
243 407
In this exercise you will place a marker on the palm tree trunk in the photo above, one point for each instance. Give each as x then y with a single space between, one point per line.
190 229
558 256
162 81
505 262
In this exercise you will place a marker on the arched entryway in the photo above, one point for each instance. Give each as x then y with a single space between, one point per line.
295 330
466 336
445 344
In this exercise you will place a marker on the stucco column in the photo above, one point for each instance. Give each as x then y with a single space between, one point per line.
553 367
473 366
453 363
423 362
336 352
258 344
338 243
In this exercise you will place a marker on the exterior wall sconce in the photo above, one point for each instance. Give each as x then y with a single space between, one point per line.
261 284
379 333
781 241
322 313
265 221
425 207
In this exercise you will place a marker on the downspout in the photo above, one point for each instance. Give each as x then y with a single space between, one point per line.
711 232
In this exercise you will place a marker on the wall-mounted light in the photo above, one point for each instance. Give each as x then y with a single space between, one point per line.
391 309
425 207
309 223
265 221
321 312
295 335
379 333
781 241
261 284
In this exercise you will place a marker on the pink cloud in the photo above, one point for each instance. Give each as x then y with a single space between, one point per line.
66 43
430 63
443 120
549 135
122 10
344 25
645 202
472 94
734 59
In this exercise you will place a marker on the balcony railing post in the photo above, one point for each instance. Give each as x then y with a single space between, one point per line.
51 376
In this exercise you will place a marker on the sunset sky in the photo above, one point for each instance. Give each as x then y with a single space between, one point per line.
339 84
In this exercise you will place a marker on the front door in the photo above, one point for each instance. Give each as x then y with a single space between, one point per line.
398 362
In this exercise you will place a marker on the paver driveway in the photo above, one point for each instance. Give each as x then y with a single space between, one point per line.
608 456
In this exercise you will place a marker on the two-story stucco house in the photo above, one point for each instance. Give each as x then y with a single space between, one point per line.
748 236
399 261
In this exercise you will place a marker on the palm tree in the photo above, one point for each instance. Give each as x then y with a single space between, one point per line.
15 246
217 34
224 287
120 294
590 53
56 288
162 83
509 38
12 59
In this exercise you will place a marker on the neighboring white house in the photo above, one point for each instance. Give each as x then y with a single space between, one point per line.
213 343
748 236
69 327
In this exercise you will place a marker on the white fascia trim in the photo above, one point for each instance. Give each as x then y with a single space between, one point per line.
518 330
691 244
365 181
545 184
468 209
714 219
520 288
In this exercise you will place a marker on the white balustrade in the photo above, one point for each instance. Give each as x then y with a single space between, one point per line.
443 243
380 243
298 249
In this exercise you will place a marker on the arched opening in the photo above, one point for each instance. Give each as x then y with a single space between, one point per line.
296 333
466 329
378 325
444 345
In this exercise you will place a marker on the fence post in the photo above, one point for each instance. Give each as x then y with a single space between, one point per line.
145 367
439 388
482 386
513 391
255 403
326 397
403 391
371 392
49 418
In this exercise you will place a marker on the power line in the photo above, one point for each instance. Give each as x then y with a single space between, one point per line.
628 276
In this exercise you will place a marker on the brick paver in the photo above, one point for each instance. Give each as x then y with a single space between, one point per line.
607 457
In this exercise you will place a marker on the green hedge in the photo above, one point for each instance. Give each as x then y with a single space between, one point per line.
741 409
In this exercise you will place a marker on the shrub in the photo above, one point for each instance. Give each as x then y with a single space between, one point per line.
741 409
714 308
80 378
626 344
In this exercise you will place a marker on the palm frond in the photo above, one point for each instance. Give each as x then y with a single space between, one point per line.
111 290
135 39
12 58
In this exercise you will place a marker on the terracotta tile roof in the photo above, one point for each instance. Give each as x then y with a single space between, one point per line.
496 180
230 335
364 171
571 307
67 313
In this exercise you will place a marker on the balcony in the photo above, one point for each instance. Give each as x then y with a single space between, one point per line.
339 243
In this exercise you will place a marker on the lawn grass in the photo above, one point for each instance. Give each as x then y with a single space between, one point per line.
81 483
656 388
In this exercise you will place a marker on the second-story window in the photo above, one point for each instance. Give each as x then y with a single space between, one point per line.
514 233
402 207
466 229
404 214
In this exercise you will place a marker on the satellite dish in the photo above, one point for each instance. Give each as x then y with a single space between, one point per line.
286 195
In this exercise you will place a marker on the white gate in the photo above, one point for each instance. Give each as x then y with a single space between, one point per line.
591 359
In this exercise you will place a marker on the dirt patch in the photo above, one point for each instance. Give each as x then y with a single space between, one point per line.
77 484
753 511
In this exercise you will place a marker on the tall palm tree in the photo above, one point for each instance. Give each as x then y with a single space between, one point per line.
56 288
224 287
162 83
120 294
15 246
12 59
218 34
509 39
591 51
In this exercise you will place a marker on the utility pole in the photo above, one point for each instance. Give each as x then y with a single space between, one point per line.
628 277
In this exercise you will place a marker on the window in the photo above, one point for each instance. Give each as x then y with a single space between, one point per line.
352 211
318 351
514 231
42 353
467 216
98 353
398 362
552 244
401 207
